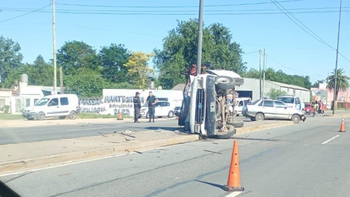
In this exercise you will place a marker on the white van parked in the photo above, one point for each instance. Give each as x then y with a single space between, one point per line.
60 105
292 102
240 103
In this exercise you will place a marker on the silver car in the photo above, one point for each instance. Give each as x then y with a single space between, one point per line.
272 109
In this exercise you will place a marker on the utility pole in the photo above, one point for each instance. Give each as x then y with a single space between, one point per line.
336 60
260 74
61 80
200 38
54 48
264 64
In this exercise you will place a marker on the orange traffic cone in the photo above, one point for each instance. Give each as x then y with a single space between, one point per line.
120 116
342 126
234 179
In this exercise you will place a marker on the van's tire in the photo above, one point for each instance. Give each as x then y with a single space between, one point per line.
296 118
225 83
171 114
259 117
62 117
225 135
73 115
41 116
30 118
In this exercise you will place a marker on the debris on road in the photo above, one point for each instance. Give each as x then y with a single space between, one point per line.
213 152
102 134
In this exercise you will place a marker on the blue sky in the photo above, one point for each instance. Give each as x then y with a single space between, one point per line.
252 25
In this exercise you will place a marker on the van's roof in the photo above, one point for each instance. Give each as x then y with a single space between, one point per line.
61 95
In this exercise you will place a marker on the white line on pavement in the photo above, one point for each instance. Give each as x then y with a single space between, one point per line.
233 194
325 142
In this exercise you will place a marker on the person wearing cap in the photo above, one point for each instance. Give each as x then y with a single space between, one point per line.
137 107
151 103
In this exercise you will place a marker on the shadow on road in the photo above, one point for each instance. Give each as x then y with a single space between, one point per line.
212 184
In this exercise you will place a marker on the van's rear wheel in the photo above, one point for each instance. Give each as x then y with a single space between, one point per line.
73 115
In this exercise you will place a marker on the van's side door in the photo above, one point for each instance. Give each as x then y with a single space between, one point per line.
53 108
65 108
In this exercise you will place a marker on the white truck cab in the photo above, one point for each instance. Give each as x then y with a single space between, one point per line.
60 105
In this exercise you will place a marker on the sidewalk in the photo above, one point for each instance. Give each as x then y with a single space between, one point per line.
29 156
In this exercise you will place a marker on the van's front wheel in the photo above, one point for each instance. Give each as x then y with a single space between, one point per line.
73 115
41 116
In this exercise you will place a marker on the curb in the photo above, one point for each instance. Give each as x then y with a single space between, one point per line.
42 162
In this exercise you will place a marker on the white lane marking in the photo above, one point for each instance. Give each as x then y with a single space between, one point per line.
233 194
325 142
95 128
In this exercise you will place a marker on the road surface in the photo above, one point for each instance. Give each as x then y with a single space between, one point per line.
43 133
307 159
60 131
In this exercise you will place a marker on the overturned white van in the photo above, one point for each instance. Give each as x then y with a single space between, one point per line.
205 107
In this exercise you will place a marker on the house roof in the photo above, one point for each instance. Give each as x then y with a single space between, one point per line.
289 86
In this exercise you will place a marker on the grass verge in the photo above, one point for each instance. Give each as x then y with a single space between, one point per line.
11 117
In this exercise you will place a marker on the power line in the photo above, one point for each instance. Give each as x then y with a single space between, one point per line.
292 69
307 30
173 6
36 10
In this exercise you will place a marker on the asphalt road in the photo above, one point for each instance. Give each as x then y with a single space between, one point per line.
54 132
307 159
43 133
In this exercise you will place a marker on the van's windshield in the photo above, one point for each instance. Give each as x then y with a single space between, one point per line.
286 99
42 102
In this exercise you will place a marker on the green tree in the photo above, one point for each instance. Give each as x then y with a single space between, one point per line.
86 83
317 83
74 55
10 58
342 82
40 72
252 73
138 68
113 59
180 51
274 94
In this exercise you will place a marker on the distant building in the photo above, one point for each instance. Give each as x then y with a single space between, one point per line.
23 95
251 89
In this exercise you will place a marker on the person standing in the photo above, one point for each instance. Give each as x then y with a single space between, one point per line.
137 107
151 103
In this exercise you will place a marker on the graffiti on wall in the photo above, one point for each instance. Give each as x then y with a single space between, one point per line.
92 105
123 104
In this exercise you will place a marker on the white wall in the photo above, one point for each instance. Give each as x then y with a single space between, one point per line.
122 99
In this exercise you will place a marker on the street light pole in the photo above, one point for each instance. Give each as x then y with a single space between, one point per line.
336 60
54 48
200 37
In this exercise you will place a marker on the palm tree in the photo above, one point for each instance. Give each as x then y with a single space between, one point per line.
342 82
